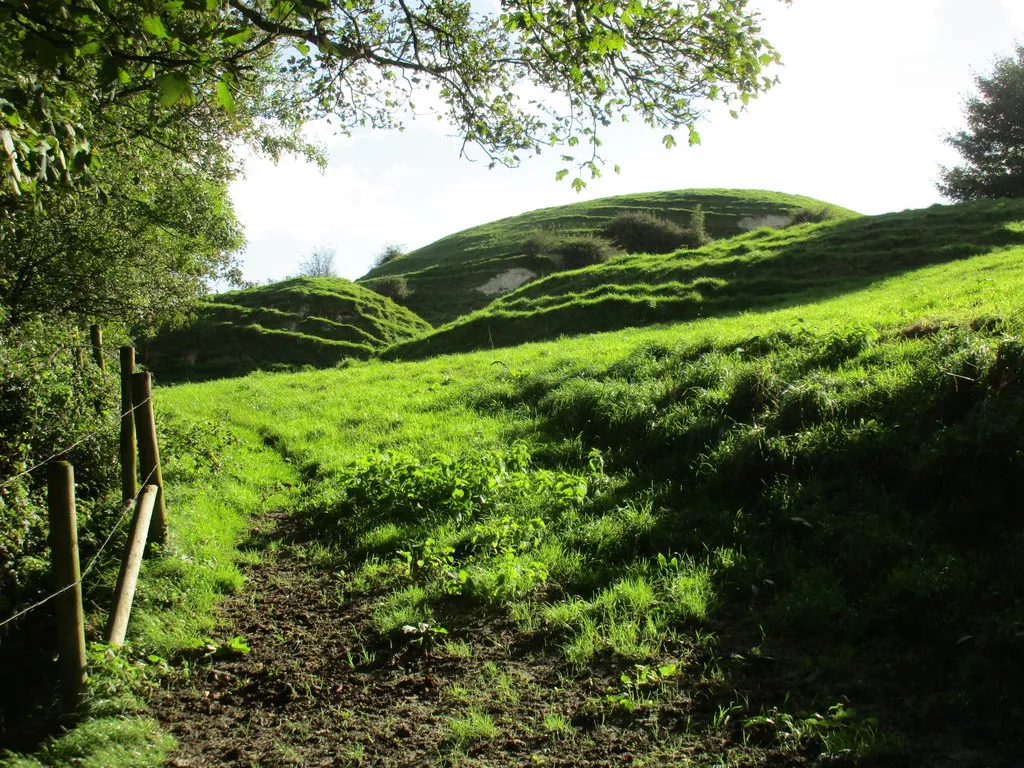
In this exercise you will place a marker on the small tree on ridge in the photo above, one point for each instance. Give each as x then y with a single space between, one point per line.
320 263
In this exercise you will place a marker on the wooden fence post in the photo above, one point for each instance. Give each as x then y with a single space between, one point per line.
129 470
149 454
67 577
129 576
97 345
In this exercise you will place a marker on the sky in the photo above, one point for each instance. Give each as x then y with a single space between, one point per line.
868 90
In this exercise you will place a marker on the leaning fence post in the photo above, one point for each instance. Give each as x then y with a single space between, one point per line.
129 486
129 576
67 575
149 454
97 345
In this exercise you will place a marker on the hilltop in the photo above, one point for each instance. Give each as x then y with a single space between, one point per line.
754 271
463 272
315 321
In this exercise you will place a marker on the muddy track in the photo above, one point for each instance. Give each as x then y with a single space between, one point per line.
319 688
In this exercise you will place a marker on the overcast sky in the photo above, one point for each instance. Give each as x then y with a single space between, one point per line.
868 90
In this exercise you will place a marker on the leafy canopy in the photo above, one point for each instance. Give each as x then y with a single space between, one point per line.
992 146
536 74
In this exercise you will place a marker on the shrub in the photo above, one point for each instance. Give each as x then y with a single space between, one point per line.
643 232
395 288
812 215
540 242
697 228
389 252
584 250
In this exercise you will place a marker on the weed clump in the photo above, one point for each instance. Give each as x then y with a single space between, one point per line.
395 288
644 232
541 242
585 250
813 215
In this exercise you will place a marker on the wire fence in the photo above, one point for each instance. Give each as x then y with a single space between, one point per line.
122 513
125 509
64 451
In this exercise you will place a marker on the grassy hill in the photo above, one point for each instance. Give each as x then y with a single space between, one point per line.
787 536
297 322
446 276
781 534
754 271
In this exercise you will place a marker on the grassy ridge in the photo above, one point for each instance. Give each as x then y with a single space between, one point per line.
296 322
758 270
445 275
804 510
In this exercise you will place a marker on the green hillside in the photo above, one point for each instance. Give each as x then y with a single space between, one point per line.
757 270
301 321
783 537
780 535
446 276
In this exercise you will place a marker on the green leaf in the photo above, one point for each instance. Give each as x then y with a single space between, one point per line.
172 88
578 184
89 48
236 36
224 98
561 174
668 140
155 27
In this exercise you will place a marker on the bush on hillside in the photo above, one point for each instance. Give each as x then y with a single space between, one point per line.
389 252
643 232
395 288
813 215
584 250
540 243
697 226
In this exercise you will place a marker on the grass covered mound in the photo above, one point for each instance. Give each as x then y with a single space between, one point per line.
761 269
464 271
314 321
789 536
759 539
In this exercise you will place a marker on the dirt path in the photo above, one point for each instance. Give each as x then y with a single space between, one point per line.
318 688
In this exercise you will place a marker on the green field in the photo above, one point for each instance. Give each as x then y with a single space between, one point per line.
446 276
786 533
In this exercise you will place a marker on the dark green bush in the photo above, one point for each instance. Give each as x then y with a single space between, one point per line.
584 250
540 242
389 252
643 232
50 407
395 288
813 215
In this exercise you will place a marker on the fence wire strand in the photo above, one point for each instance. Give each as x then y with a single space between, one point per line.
74 445
128 507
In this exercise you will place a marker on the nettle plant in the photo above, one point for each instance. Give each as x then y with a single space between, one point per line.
475 525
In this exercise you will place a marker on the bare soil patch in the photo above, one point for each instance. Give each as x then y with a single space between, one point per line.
320 688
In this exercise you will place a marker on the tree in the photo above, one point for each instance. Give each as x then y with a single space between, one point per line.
540 73
320 263
992 146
